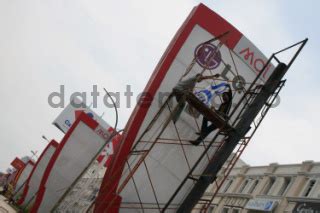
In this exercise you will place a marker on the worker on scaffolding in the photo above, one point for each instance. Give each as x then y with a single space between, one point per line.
222 111
182 88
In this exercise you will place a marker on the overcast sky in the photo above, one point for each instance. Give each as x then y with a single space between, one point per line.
111 44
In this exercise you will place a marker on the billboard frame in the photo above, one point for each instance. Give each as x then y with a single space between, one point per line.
52 143
83 117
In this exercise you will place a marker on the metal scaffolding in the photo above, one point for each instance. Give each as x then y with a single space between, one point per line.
202 170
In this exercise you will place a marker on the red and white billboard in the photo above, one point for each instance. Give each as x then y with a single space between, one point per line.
21 179
17 163
138 181
82 194
81 143
32 184
86 184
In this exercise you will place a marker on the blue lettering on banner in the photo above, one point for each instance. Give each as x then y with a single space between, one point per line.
206 95
68 123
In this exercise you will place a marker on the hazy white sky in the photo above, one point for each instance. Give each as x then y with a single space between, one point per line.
45 44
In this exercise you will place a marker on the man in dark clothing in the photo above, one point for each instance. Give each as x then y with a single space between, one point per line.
182 88
223 111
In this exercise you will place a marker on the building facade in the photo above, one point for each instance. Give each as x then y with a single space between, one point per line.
273 188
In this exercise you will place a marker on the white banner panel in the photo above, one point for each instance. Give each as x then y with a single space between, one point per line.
86 189
19 187
33 182
77 149
80 190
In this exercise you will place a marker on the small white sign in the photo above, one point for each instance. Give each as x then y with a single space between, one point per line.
261 204
66 118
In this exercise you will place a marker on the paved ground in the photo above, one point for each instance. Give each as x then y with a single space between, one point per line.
5 207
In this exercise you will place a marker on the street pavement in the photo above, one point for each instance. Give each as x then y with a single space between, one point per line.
5 207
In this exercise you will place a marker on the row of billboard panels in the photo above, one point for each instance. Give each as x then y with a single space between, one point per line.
39 186
195 49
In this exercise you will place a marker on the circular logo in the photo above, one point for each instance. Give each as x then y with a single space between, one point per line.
207 56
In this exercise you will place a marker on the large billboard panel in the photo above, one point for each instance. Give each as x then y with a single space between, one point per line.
80 196
156 153
22 179
84 192
32 184
79 146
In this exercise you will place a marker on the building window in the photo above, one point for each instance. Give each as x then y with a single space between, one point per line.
243 186
285 186
253 186
269 185
225 210
236 210
309 188
210 209
227 185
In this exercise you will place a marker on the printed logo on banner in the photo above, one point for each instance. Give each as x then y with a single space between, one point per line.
208 94
253 57
77 112
66 118
103 133
208 56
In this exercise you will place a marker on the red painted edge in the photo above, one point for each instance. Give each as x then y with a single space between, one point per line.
19 160
83 117
214 24
26 188
18 175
